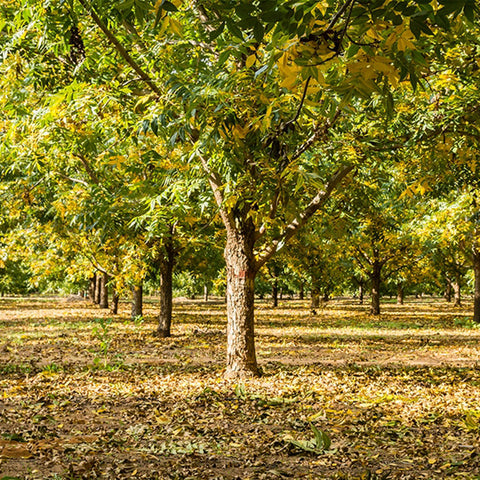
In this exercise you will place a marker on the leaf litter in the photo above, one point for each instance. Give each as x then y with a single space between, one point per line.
343 395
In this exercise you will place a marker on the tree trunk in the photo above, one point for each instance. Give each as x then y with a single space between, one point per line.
137 301
301 293
275 293
448 292
241 272
315 301
376 281
205 293
167 263
400 293
104 291
457 292
115 301
98 285
476 295
360 292
91 289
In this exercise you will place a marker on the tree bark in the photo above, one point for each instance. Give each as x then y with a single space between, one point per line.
476 295
98 285
104 291
167 263
137 301
301 293
241 272
457 291
448 292
115 301
275 293
205 293
360 292
91 289
376 281
315 301
400 293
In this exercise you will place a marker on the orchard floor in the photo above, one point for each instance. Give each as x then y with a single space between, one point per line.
85 397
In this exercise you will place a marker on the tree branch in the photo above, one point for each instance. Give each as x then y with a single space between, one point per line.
364 269
215 183
90 172
337 16
74 180
315 204
317 135
364 255
120 48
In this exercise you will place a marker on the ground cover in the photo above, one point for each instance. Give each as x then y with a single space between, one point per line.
343 395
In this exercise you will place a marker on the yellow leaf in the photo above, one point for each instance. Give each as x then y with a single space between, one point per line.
163 28
321 6
289 82
240 132
176 27
404 44
267 119
382 66
391 39
251 60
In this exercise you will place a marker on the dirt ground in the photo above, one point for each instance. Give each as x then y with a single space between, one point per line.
343 395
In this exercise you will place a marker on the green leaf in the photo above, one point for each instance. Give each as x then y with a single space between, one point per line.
217 32
451 6
272 16
240 391
154 126
415 28
322 440
442 20
169 7
469 12
258 31
234 30
245 10
223 57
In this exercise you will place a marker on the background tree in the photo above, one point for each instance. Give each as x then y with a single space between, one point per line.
256 95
